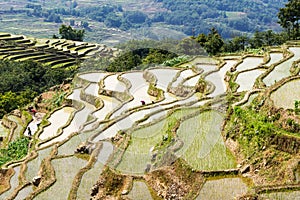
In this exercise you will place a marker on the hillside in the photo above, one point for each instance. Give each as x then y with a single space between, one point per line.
30 66
210 128
123 20
106 117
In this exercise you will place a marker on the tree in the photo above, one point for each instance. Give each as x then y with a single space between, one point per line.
157 56
201 39
74 4
214 42
266 38
125 62
189 46
237 43
67 32
289 18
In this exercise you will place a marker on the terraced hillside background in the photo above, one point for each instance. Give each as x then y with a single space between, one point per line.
211 128
54 52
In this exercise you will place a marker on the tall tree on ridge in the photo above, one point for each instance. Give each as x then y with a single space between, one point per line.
289 18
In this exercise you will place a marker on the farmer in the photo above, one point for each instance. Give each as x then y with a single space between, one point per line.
29 131
33 111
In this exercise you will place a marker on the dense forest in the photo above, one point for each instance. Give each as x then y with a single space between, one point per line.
227 16
110 15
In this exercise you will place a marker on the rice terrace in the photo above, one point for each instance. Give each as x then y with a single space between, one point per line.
158 133
95 121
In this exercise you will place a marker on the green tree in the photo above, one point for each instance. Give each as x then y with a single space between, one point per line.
53 18
289 18
67 32
125 62
135 17
201 39
189 46
238 43
157 56
266 38
214 42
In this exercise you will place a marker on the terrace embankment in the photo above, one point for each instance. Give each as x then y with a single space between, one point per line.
286 143
264 142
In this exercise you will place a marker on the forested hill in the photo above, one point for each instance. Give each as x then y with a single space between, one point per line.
115 21
228 16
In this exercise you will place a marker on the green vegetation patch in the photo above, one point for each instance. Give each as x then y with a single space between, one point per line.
265 141
15 151
176 61
22 81
139 57
252 129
